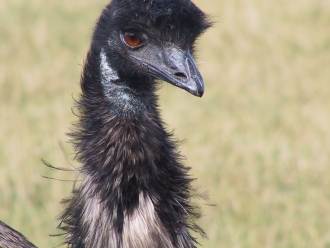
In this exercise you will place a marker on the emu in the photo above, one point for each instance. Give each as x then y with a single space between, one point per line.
135 191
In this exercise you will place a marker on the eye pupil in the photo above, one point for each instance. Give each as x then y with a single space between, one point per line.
131 39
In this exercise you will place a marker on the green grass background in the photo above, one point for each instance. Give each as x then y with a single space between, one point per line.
258 141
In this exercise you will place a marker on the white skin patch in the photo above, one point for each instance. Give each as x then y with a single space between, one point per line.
107 73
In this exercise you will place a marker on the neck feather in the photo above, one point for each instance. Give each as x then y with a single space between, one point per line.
135 191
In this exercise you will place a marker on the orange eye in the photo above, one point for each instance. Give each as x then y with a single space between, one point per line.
131 39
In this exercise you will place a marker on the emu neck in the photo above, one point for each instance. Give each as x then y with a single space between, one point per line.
135 192
123 139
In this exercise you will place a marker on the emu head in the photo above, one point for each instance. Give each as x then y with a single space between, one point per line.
152 39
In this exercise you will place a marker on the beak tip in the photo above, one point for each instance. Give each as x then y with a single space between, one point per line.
199 91
200 94
196 92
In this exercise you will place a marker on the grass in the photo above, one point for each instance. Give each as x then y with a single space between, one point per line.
258 141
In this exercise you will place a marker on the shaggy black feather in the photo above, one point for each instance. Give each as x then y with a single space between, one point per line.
121 142
9 238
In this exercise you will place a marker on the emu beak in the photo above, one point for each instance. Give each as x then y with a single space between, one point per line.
182 71
174 66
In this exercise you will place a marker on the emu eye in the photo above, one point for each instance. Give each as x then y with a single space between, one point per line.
131 39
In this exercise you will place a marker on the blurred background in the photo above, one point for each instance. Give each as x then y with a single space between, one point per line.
258 141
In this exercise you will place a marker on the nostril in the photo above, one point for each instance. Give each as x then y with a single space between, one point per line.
180 74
